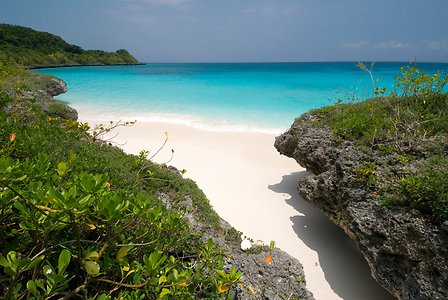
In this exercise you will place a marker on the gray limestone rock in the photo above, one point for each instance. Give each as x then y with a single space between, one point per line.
45 88
282 278
407 254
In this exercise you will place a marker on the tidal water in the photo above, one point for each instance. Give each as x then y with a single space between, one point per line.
263 97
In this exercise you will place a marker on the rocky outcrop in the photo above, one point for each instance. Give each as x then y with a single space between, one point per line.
282 278
47 87
41 93
407 253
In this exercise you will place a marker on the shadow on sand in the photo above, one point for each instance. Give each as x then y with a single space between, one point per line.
344 266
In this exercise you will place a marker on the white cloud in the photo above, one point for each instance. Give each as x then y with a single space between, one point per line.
355 45
392 45
167 2
273 9
144 13
437 45
173 3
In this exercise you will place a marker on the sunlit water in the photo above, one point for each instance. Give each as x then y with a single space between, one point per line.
264 97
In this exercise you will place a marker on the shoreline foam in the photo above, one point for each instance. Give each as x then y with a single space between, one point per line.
179 119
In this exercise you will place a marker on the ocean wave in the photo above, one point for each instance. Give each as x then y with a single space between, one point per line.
206 124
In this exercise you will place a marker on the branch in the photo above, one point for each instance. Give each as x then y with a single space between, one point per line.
161 147
29 204
61 244
138 244
139 286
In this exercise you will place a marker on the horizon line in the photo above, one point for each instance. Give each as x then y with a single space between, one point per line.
291 62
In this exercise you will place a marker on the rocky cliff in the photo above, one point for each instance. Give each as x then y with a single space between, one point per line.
40 92
407 253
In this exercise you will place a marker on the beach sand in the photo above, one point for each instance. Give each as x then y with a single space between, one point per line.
253 187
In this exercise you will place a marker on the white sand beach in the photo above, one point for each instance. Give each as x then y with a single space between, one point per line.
253 187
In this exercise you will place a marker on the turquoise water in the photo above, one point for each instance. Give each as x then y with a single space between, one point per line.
264 97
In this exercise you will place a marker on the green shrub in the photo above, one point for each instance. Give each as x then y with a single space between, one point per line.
410 126
52 214
427 190
4 99
411 82
82 217
366 172
421 110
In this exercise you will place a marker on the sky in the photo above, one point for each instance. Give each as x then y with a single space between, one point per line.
245 30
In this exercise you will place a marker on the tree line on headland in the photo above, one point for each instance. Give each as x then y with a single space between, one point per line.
33 48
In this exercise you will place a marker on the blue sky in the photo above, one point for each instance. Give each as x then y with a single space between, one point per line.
245 30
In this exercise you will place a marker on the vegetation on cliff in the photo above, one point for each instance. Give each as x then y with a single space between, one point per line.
378 169
405 135
82 217
32 48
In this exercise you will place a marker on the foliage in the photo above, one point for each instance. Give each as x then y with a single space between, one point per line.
366 172
413 83
33 48
410 127
363 67
425 190
82 218
115 239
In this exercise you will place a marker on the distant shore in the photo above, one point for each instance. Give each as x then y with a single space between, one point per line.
88 65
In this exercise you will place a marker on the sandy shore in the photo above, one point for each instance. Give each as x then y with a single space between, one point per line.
253 187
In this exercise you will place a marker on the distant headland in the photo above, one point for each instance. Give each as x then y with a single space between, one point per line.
36 49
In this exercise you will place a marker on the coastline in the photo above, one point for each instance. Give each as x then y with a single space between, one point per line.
253 188
183 120
85 65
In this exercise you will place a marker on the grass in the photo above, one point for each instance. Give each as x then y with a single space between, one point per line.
410 130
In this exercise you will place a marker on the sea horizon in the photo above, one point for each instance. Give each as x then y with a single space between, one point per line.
261 97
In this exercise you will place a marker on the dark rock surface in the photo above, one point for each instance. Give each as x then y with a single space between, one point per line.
44 88
53 87
407 254
282 278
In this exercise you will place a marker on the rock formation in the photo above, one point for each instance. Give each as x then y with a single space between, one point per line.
407 253
41 93
282 278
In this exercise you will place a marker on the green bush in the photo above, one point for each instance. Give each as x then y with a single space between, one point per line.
427 190
81 217
410 127
51 215
421 109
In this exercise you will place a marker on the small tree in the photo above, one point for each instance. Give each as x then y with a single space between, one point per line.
363 67
413 83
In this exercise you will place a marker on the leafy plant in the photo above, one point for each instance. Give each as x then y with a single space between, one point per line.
366 172
226 280
413 83
80 220
107 231
409 128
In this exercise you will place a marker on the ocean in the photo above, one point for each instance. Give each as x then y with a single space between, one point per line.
259 97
